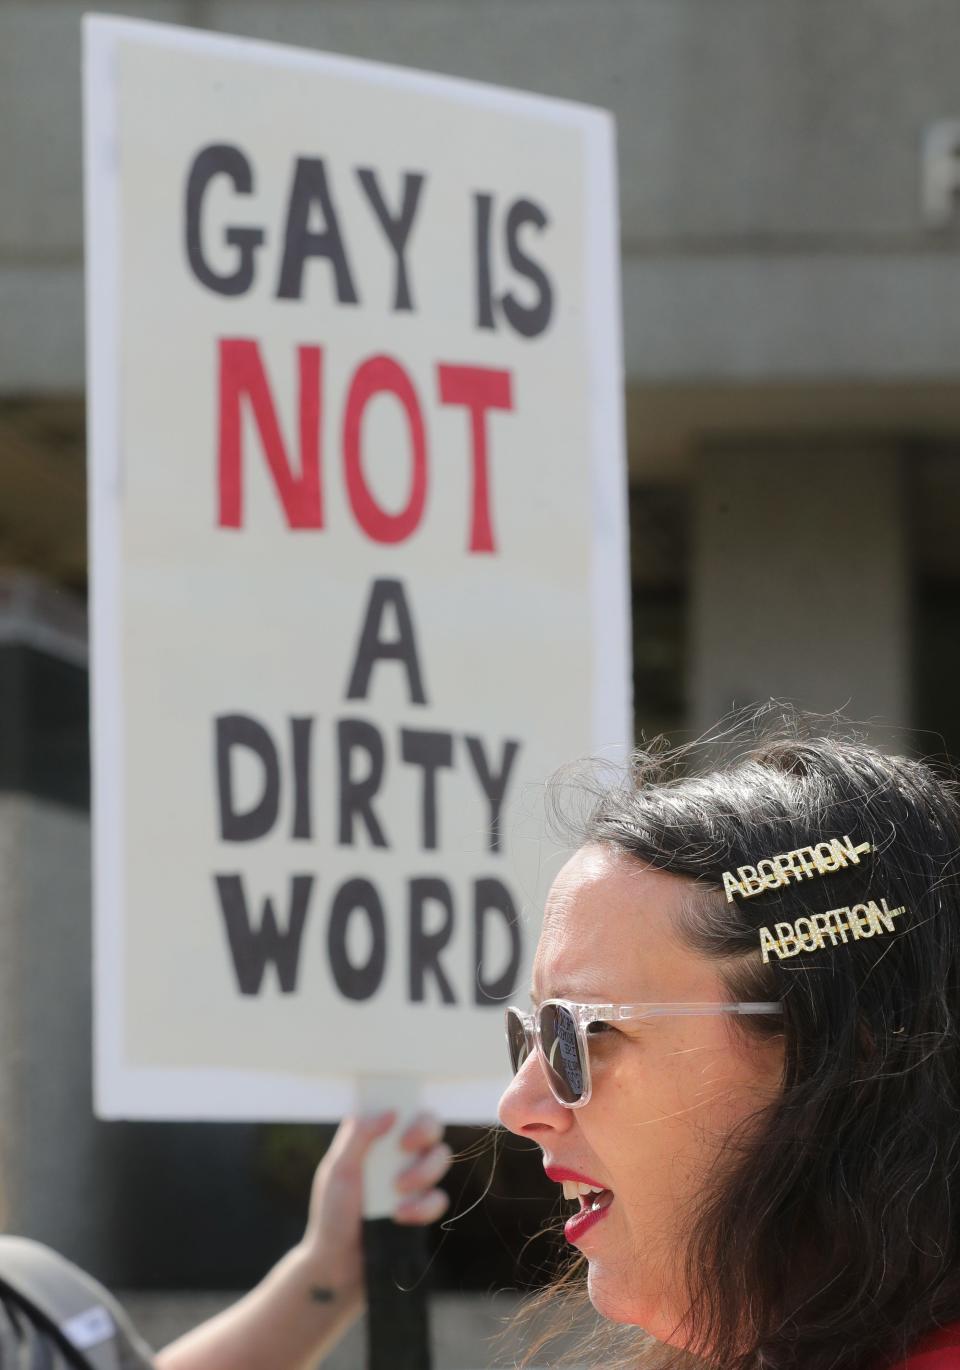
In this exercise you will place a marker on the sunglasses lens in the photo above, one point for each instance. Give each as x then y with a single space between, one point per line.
516 1039
561 1047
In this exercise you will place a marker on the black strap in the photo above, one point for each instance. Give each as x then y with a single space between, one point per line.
46 1325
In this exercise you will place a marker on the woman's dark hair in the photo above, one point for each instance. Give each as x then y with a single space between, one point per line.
829 1235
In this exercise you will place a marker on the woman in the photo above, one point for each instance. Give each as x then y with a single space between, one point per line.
750 1089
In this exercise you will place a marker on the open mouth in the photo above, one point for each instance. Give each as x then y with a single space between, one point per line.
593 1205
592 1199
589 1198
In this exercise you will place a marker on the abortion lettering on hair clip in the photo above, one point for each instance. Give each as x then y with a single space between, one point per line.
822 858
810 934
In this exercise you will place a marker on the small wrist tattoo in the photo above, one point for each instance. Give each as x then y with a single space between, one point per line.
320 1295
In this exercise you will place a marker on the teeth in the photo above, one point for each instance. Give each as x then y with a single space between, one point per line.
572 1189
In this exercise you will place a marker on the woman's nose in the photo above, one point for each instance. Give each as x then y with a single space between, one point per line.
527 1106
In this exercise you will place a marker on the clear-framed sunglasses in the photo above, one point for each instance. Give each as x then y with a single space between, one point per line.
558 1030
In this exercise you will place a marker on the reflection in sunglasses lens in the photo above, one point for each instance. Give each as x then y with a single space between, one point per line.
516 1040
558 1033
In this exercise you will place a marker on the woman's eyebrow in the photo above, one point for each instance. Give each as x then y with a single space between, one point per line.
582 993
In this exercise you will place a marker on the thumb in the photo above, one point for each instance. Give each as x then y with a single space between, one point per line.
354 1138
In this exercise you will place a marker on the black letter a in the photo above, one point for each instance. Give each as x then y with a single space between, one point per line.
372 647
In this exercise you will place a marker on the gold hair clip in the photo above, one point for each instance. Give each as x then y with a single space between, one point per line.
822 858
810 934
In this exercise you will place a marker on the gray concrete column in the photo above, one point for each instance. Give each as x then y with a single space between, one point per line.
800 581
54 1165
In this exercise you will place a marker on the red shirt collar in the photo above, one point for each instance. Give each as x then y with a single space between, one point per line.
938 1350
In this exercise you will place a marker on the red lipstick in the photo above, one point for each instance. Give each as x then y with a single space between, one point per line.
559 1173
575 1227
590 1212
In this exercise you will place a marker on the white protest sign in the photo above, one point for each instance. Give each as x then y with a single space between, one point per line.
359 569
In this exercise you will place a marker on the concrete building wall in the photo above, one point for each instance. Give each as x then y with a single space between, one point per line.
770 165
53 1156
801 583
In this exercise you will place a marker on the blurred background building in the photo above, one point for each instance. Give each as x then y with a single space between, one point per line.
790 195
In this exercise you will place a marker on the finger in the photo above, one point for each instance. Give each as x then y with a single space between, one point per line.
355 1136
426 1171
426 1208
425 1130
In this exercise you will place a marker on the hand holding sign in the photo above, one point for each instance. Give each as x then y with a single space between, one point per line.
311 1296
336 1200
